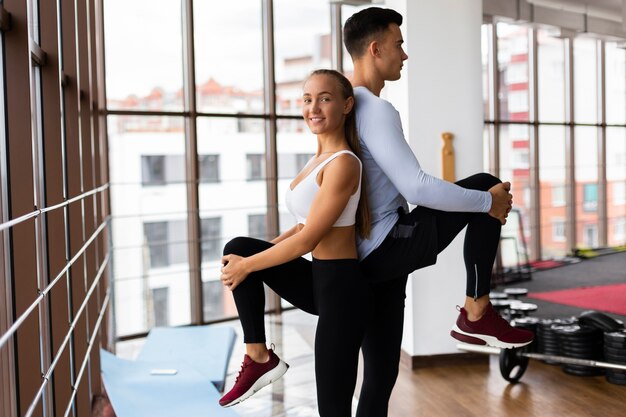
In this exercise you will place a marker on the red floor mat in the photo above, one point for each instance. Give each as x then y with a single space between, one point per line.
608 298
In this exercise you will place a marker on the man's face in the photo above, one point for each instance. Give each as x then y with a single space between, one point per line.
391 54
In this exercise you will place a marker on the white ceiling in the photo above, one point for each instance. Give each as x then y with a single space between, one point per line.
593 7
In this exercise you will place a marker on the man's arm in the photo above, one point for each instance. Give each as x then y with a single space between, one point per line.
382 133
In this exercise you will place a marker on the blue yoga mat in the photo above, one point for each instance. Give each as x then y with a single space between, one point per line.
178 373
205 348
135 392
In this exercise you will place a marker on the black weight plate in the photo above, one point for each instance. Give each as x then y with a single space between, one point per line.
576 331
614 352
617 337
616 373
615 345
582 370
616 376
580 346
497 295
523 307
600 320
516 292
618 360
616 381
528 320
583 354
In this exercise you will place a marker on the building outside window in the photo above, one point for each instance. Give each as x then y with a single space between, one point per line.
156 242
558 230
257 226
209 167
590 197
558 196
153 169
160 306
255 167
165 242
211 238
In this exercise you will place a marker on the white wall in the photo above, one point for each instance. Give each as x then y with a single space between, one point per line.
440 91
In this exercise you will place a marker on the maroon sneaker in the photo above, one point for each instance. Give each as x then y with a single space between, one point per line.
491 329
252 377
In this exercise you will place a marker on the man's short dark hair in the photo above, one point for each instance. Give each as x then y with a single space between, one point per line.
363 26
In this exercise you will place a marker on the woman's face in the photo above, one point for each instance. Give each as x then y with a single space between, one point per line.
324 107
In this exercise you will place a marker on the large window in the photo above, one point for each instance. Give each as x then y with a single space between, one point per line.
134 82
550 133
513 71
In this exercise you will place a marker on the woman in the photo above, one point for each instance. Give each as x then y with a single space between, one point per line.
325 199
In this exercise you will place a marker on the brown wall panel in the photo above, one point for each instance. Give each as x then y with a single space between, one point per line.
20 189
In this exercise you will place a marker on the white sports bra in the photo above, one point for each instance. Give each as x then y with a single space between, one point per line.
300 199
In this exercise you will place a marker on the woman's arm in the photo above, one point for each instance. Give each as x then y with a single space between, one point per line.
339 182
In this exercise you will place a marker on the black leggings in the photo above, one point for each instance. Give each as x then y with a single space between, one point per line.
419 236
413 243
332 289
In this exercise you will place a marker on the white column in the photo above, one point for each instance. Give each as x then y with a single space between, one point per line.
440 90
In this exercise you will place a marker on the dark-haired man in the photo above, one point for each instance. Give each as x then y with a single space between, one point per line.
402 241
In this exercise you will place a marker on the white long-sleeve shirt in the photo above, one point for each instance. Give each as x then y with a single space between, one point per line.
394 175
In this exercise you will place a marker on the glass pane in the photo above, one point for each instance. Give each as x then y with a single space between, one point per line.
585 81
513 71
229 73
586 151
485 51
615 84
149 209
515 168
233 151
144 55
551 77
296 145
616 185
552 191
302 44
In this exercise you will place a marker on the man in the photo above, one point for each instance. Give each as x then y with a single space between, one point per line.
401 241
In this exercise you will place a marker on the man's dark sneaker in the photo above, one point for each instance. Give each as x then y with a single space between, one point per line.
252 377
491 329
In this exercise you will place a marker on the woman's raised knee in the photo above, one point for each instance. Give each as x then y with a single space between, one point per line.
245 246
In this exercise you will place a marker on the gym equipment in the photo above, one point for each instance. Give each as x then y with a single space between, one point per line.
600 320
513 362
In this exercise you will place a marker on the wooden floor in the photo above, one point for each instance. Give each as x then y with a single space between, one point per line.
455 391
479 390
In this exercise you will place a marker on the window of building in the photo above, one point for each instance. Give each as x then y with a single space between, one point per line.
211 238
590 233
153 169
558 195
257 226
590 197
160 306
255 167
162 169
156 237
213 299
209 166
558 230
166 242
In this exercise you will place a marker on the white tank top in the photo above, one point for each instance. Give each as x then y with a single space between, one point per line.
299 199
